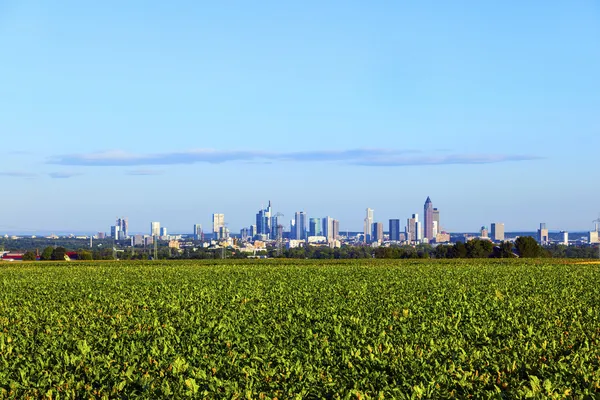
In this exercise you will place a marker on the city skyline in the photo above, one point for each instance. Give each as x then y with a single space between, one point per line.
323 107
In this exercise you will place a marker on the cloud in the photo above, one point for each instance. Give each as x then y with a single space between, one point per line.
445 160
18 174
365 157
62 175
144 172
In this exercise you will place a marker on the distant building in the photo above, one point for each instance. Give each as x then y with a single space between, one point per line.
394 230
123 225
155 229
264 221
163 232
336 230
543 234
497 231
565 239
300 226
115 232
418 228
223 233
218 223
428 219
174 244
593 237
100 235
484 232
315 227
411 235
377 232
198 234
436 219
137 240
442 237
368 226
252 232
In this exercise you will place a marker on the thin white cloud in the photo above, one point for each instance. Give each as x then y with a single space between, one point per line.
365 157
18 174
62 175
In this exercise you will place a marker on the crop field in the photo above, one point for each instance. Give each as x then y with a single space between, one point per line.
300 329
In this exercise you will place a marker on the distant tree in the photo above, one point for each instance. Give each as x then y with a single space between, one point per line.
47 253
527 247
459 250
29 256
59 254
504 250
479 248
85 255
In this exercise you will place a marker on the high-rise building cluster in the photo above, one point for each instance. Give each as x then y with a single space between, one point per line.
427 230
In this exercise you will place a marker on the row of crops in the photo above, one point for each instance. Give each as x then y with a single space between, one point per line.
368 329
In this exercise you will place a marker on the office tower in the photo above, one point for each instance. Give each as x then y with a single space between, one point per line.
315 227
218 222
428 219
565 240
244 232
436 218
497 231
223 233
163 232
435 229
264 221
419 230
395 230
377 232
198 232
484 232
138 240
410 230
114 232
292 229
368 225
543 234
123 225
336 230
300 226
329 229
253 231
155 229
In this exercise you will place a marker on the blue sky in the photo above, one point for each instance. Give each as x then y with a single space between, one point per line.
171 111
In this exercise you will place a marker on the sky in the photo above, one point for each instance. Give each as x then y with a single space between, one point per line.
172 111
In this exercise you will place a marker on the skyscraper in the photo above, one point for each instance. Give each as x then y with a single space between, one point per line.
436 218
543 234
336 230
497 231
428 219
163 232
218 222
378 232
300 225
329 229
264 221
123 225
115 232
315 227
198 232
155 229
394 230
368 225
411 235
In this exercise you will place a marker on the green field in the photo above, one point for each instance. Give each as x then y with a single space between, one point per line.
366 329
